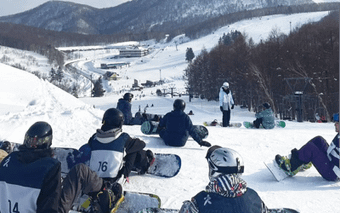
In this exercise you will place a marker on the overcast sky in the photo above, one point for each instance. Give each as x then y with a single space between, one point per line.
9 7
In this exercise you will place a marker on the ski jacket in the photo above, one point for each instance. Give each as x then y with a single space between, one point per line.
125 107
268 119
177 128
30 181
226 100
333 154
113 153
226 193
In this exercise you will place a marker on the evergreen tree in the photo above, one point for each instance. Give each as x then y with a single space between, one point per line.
53 75
98 90
189 55
59 75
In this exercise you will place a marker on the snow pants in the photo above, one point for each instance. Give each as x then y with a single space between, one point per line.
315 151
226 117
80 179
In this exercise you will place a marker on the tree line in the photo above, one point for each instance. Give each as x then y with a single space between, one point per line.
301 68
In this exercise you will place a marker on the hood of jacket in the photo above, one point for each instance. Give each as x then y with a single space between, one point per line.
228 185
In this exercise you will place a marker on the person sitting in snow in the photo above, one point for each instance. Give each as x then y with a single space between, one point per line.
124 105
176 126
324 157
112 153
265 118
30 179
226 191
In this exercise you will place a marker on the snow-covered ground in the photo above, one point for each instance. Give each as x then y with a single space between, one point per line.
25 99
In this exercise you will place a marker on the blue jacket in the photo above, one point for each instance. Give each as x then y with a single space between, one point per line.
177 127
250 202
30 181
125 107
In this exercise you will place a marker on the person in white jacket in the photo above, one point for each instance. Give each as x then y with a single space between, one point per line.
226 103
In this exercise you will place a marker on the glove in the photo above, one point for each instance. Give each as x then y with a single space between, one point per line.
205 143
232 106
221 108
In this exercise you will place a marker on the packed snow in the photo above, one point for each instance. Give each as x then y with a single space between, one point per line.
26 99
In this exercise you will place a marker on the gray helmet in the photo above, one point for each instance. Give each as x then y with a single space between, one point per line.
223 161
39 136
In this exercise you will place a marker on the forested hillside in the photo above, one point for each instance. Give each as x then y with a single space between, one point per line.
301 68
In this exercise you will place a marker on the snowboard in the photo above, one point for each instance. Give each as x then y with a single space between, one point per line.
278 124
129 203
164 210
216 123
66 156
164 165
150 128
276 171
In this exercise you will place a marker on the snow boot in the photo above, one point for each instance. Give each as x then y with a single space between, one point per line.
291 164
108 199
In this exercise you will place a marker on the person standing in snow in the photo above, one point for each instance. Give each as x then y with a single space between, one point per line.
226 103
176 126
113 153
265 118
30 179
318 152
226 191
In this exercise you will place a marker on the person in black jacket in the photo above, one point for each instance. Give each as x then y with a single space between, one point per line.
176 126
115 151
226 191
30 179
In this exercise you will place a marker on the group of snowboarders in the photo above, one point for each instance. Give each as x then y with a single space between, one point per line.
113 154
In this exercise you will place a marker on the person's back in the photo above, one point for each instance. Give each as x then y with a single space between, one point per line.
176 126
113 152
268 119
30 179
249 202
226 191
125 107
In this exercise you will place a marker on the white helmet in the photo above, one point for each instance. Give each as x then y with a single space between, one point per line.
223 161
225 85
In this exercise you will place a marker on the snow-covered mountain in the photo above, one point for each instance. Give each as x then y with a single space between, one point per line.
144 15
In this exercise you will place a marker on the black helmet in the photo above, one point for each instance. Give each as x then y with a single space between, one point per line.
223 161
128 96
266 105
39 136
113 118
179 104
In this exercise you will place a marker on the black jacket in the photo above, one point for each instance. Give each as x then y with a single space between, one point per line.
177 127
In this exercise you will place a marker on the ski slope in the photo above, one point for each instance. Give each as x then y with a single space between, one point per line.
25 99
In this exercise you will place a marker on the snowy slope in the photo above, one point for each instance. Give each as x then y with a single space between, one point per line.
25 99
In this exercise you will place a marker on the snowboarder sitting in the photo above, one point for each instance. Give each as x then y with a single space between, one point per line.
265 118
176 126
113 153
30 179
324 157
226 191
124 105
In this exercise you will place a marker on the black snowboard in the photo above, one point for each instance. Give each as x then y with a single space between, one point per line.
150 128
